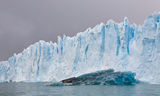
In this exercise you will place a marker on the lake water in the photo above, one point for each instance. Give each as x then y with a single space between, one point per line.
41 89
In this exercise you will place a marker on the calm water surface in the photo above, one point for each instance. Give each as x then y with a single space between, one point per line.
40 89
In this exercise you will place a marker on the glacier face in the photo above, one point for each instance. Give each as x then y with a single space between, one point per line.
119 46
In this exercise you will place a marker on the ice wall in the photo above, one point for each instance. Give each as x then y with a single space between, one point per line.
120 46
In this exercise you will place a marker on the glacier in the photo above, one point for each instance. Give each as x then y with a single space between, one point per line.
119 46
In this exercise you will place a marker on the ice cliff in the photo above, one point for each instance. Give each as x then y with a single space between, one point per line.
119 46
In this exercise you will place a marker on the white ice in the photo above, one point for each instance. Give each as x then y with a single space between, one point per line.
120 46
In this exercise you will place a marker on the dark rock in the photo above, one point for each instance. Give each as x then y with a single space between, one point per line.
69 80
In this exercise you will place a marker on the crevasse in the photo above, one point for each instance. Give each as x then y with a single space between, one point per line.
119 46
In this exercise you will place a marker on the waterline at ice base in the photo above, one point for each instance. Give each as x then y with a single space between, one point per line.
119 46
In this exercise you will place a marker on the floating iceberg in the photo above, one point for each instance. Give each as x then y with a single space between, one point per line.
119 46
104 77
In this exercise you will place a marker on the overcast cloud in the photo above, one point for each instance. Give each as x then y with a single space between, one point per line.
24 22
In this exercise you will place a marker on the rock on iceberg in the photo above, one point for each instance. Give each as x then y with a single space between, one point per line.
119 46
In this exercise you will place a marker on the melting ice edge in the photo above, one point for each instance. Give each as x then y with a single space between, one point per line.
119 46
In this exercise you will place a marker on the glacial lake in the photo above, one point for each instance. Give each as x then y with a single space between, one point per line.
41 89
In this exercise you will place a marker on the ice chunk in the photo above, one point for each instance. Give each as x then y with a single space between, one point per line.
104 77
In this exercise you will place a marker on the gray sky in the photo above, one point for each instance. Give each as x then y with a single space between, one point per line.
24 22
